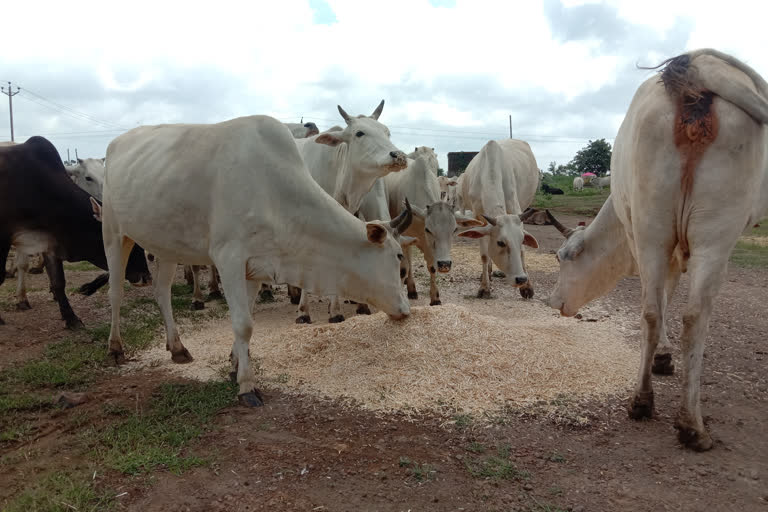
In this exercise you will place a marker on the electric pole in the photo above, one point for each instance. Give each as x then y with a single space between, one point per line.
10 95
510 126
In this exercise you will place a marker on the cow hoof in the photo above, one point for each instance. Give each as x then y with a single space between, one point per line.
692 438
35 270
641 406
215 295
182 357
266 296
413 295
23 305
436 302
117 357
74 324
304 319
484 294
499 274
363 309
526 293
251 399
336 319
662 364
197 305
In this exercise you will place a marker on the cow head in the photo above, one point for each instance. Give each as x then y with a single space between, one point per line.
441 224
592 259
370 155
312 129
506 238
88 174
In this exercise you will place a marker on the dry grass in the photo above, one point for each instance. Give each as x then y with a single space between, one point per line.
762 241
443 359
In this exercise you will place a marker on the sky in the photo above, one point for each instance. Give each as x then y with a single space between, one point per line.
451 71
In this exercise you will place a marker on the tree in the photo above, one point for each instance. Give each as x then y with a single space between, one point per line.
595 157
561 170
440 171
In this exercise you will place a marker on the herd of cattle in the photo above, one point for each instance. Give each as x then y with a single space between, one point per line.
334 213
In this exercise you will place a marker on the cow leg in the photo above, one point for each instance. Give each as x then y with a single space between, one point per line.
117 249
189 275
410 283
39 265
5 246
485 286
303 317
335 315
662 360
526 291
198 302
295 294
240 295
434 293
165 273
55 269
214 292
22 267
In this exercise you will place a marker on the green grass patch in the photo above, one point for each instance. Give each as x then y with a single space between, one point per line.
61 492
81 266
476 447
462 421
586 203
498 466
144 441
419 472
751 255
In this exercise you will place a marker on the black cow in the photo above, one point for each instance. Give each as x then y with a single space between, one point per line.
551 190
42 210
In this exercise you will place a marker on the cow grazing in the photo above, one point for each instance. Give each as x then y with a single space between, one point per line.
500 183
346 164
551 190
302 131
599 183
42 211
434 221
205 176
578 183
690 169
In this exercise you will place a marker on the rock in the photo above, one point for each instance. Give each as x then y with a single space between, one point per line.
528 487
754 475
68 400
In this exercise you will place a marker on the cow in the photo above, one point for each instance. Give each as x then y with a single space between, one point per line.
434 221
346 164
690 169
578 184
445 185
206 176
501 182
42 211
88 174
551 190
599 183
302 131
429 154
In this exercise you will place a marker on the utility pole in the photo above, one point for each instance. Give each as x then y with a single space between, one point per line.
10 95
510 126
76 157
67 155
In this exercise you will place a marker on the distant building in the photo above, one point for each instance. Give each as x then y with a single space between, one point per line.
458 162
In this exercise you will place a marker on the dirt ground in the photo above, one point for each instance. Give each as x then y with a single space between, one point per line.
303 453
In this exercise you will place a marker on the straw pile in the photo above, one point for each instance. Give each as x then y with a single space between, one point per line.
444 358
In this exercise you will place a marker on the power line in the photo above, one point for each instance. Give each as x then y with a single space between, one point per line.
73 111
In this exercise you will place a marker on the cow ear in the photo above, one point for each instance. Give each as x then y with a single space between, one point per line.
530 241
376 233
478 232
407 241
328 139
96 209
468 222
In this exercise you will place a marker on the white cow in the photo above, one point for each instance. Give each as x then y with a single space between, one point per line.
599 183
88 174
346 164
675 205
302 131
429 154
500 183
434 221
203 177
578 183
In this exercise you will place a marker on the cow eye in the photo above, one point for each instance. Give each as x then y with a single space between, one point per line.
427 230
400 257
307 125
501 244
359 134
88 178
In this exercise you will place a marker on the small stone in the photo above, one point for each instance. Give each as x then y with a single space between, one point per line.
68 400
528 487
754 475
578 508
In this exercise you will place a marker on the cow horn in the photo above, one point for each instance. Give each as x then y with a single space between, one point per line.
403 221
491 220
564 230
377 112
344 114
527 213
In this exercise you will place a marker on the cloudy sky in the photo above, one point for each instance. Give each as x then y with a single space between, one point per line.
451 71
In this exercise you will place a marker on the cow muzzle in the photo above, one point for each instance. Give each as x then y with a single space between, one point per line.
399 160
444 266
